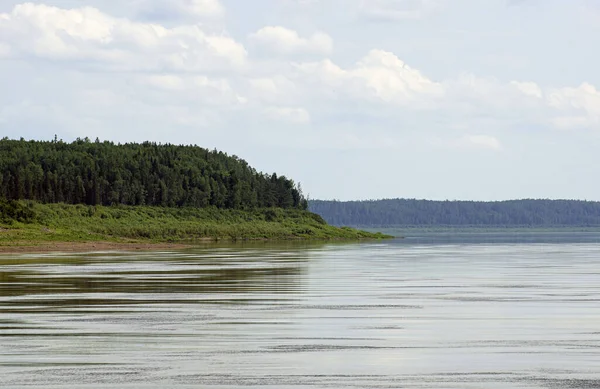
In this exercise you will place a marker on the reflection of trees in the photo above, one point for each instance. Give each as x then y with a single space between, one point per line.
230 275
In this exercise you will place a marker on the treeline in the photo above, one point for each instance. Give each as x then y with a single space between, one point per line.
104 173
409 212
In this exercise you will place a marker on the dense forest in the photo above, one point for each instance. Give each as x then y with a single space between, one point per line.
104 173
410 212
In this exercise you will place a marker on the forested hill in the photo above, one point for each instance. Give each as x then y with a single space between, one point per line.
406 212
104 173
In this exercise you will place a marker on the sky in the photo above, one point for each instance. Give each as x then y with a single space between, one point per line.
354 99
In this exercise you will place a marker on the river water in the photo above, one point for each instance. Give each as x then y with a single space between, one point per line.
396 314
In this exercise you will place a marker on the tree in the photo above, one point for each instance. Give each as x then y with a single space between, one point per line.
134 174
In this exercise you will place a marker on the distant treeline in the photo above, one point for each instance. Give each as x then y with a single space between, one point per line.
408 212
104 173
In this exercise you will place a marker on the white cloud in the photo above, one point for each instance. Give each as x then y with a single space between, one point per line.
396 10
181 9
195 74
203 7
524 102
283 41
567 107
528 88
119 44
584 98
177 71
379 76
576 107
390 79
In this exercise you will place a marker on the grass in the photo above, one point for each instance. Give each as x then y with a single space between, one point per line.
80 223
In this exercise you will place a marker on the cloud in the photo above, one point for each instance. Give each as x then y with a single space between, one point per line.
204 7
576 107
528 88
384 80
87 34
585 98
518 103
276 40
181 9
567 107
104 71
397 10
379 76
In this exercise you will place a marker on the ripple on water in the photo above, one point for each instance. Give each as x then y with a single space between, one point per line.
332 315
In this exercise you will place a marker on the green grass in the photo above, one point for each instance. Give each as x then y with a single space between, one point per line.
81 223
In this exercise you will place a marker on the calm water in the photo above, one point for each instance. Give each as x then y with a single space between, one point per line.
410 314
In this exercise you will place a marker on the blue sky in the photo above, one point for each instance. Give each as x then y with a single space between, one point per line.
355 99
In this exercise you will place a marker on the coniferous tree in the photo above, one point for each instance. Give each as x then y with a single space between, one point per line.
103 173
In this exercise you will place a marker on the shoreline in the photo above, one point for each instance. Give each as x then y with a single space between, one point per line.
72 247
92 246
38 227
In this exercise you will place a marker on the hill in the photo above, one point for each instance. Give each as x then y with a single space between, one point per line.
426 213
104 173
104 192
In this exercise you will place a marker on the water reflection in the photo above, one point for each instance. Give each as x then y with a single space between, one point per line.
370 315
46 280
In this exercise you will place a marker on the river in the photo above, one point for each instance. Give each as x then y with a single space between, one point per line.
406 313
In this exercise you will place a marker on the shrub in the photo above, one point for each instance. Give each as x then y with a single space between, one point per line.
11 211
272 215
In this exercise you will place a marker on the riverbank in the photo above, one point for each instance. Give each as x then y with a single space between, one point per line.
33 226
79 247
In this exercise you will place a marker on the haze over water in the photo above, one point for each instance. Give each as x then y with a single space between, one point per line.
414 313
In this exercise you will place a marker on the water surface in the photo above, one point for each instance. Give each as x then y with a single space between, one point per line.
409 313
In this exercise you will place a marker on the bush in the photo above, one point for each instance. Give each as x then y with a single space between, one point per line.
317 218
11 211
272 215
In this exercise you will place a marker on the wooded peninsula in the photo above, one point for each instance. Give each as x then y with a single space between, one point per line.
101 191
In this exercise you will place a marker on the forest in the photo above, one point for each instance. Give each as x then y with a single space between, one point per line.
103 173
426 213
